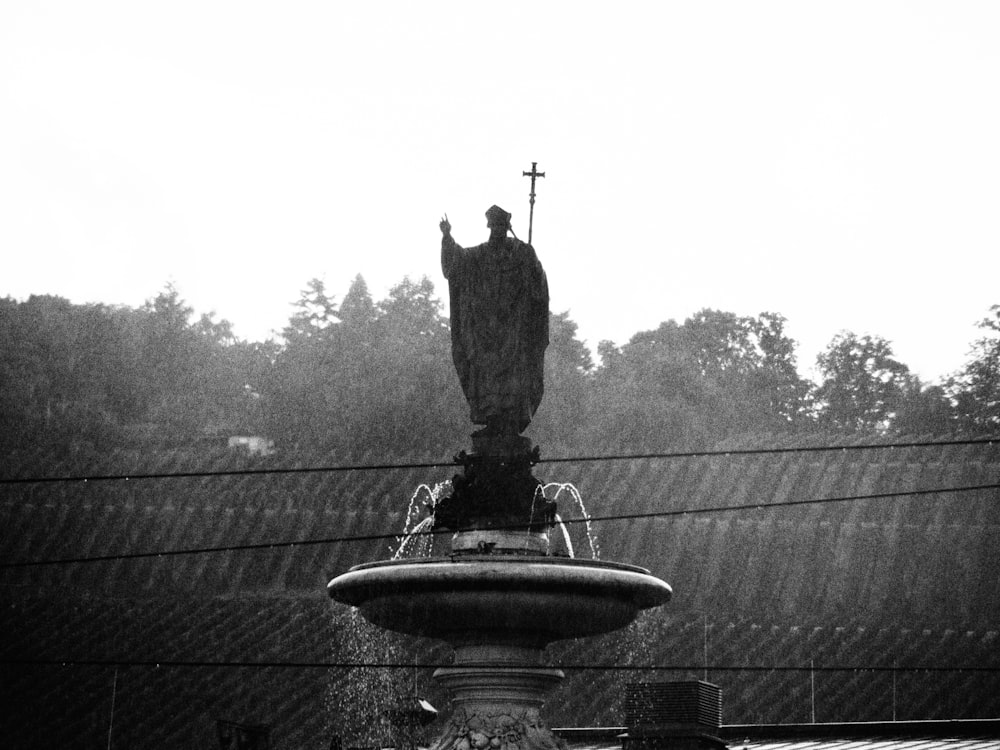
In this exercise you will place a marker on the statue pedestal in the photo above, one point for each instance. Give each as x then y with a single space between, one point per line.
500 446
497 692
500 541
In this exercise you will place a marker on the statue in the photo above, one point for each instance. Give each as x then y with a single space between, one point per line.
499 328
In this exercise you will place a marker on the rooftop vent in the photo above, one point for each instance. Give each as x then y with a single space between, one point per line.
673 716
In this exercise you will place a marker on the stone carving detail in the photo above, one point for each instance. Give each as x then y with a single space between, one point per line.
497 728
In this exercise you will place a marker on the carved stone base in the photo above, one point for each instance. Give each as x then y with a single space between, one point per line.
497 691
497 729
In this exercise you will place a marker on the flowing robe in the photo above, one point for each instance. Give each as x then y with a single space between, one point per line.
499 327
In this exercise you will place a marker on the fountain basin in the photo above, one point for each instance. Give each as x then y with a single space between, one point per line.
503 599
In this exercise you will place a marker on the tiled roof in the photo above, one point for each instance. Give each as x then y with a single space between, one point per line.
71 705
921 743
908 581
929 558
170 702
757 695
903 735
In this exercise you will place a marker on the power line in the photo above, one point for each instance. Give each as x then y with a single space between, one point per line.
765 451
590 519
206 550
84 478
228 664
788 503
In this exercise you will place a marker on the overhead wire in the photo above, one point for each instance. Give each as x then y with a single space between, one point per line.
85 478
591 519
236 664
587 519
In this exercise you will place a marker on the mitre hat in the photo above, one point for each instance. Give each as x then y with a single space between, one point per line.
497 216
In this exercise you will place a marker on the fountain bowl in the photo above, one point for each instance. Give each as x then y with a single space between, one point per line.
495 598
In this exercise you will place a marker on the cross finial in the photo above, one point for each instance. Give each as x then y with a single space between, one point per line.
531 214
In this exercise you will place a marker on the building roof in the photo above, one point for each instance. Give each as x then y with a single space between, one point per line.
895 582
928 558
833 743
904 735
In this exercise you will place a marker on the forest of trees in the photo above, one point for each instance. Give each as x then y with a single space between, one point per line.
364 378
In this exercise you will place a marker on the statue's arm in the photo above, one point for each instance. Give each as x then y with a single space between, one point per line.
450 250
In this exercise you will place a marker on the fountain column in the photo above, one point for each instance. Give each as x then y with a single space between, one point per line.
497 694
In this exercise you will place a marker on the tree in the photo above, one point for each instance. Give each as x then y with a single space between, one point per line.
411 309
649 395
414 400
788 395
366 377
563 414
924 410
167 350
302 408
62 367
81 375
191 378
252 364
863 385
976 388
750 363
315 312
358 311
692 384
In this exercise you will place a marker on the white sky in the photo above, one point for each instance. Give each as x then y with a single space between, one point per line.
836 162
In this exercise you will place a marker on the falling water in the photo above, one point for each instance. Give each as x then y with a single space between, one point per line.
417 542
553 491
357 698
565 535
417 539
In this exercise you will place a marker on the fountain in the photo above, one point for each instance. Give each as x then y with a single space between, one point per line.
499 598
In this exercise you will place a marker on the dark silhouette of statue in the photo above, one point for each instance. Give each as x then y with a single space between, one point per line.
499 327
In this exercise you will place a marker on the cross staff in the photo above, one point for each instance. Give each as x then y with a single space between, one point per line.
531 214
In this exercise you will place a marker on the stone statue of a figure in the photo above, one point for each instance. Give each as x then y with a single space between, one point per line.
499 325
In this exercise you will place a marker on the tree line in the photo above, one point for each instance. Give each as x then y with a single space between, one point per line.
356 377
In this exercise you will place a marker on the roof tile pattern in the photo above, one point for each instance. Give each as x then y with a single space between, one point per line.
824 681
885 555
80 705
905 581
175 704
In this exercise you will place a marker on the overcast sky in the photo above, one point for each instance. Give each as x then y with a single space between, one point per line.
837 162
